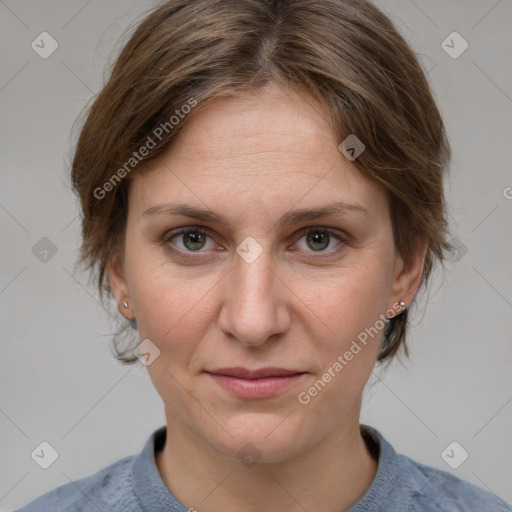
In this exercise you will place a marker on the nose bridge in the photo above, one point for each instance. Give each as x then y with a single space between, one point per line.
253 305
253 277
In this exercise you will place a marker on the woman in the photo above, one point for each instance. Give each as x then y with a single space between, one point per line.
261 187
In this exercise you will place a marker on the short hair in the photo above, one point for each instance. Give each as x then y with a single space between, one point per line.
346 53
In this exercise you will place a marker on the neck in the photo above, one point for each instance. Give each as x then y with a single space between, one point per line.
330 477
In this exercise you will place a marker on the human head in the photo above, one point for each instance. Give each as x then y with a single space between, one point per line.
346 54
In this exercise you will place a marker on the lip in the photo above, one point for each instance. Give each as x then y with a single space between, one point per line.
257 383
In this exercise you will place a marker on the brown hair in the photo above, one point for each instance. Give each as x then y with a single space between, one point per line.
346 53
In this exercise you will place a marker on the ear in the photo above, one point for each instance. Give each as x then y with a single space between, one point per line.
407 279
117 278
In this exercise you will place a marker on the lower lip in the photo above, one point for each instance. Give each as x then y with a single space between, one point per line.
256 388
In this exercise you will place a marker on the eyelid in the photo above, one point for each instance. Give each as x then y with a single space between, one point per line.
341 236
169 235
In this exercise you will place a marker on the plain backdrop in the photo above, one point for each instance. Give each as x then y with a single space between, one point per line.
59 381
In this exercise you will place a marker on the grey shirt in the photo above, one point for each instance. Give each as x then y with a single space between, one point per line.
134 484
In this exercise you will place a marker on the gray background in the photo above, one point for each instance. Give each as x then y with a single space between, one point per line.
59 381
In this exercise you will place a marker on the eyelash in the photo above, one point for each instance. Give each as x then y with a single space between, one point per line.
193 229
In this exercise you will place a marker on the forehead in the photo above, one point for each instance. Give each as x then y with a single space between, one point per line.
273 147
270 120
263 129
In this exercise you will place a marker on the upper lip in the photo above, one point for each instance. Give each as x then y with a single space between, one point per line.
245 373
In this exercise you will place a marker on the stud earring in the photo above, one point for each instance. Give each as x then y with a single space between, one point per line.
131 321
402 305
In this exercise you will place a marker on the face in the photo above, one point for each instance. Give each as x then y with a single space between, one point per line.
260 288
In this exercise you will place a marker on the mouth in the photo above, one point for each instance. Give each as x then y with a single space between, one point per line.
256 383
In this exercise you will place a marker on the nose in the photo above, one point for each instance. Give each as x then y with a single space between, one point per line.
254 302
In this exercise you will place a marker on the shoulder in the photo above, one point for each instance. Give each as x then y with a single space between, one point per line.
426 488
405 485
111 489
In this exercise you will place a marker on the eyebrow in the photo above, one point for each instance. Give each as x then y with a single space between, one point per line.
290 217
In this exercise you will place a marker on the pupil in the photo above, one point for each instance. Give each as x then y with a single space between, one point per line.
195 237
316 237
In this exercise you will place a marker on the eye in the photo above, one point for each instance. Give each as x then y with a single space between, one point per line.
319 239
192 238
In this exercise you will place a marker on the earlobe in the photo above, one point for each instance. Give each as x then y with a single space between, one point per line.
407 278
118 284
119 287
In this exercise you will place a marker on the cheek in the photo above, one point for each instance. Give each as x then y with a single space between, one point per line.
346 302
167 310
346 330
172 309
171 313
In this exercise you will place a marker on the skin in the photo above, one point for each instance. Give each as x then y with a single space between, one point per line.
251 158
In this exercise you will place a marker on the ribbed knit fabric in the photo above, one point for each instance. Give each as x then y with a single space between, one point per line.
134 484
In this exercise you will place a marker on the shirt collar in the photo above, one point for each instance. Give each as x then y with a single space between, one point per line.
154 495
386 476
150 489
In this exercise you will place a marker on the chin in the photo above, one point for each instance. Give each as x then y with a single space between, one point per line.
260 438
